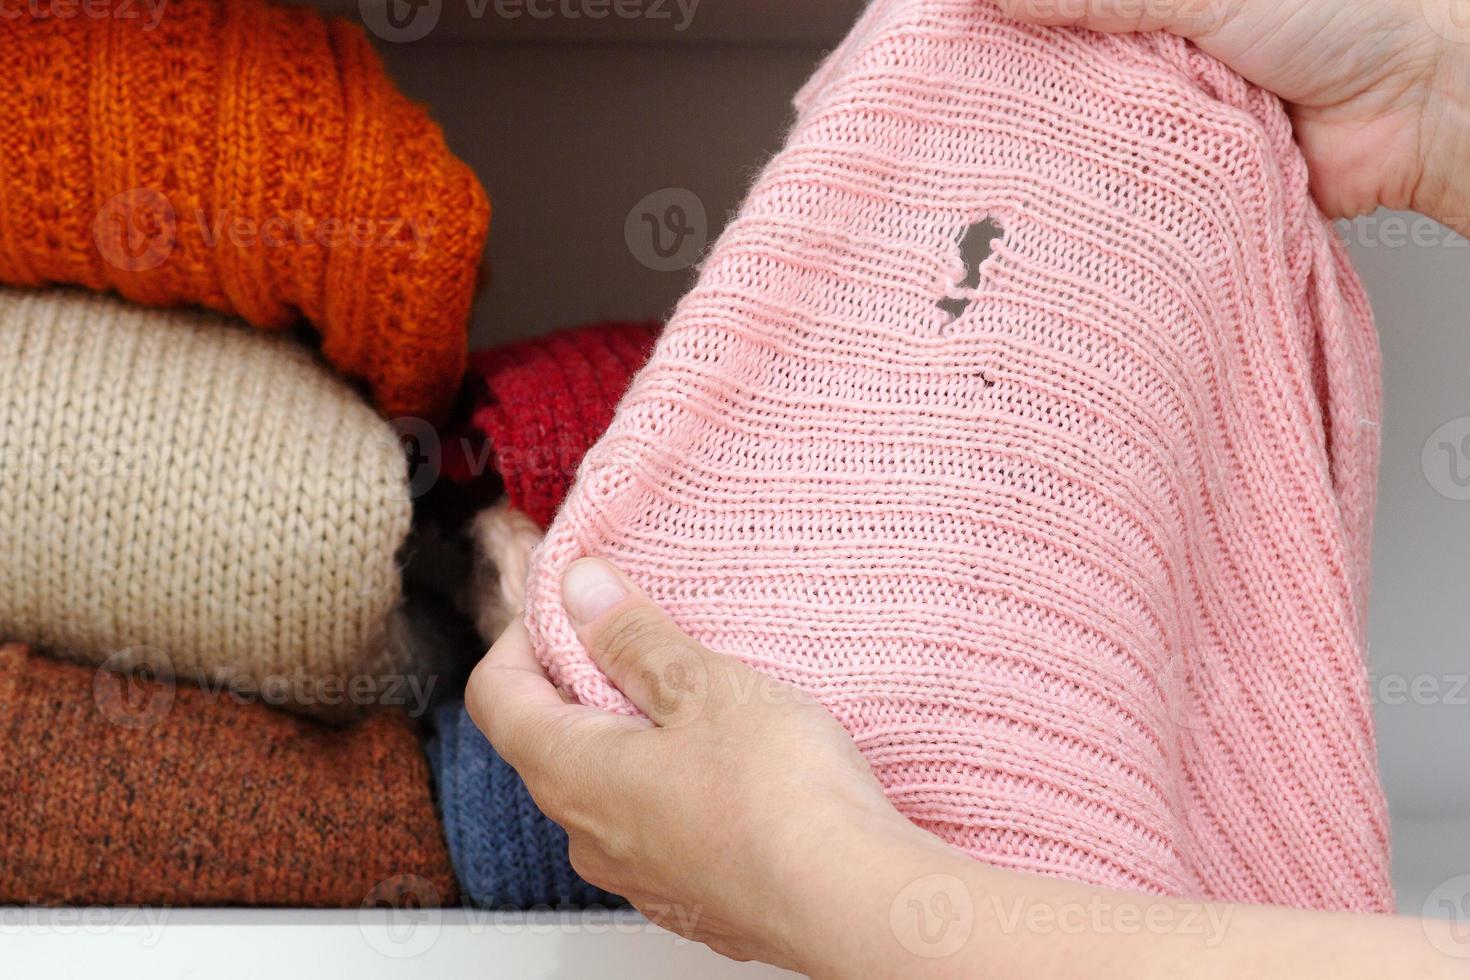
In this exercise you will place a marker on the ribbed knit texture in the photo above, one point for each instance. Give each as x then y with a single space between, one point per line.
251 158
506 853
1082 569
203 496
540 404
117 790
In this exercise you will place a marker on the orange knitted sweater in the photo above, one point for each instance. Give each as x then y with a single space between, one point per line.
250 158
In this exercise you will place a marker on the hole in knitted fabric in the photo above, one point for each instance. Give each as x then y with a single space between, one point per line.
974 246
954 306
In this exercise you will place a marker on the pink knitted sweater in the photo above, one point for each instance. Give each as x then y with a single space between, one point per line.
1083 568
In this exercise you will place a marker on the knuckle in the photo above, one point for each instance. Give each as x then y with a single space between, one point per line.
627 638
587 861
620 849
579 856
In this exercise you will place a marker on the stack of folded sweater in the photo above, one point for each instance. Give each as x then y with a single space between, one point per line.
200 503
215 688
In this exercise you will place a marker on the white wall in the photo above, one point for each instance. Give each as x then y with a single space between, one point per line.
1419 618
568 138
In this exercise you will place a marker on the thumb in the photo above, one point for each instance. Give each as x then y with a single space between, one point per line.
660 668
1187 18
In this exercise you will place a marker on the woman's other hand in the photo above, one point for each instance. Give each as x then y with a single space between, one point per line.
1378 90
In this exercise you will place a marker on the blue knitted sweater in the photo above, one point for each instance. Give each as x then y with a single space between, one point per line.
506 853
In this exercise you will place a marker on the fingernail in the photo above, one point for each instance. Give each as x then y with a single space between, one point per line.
590 589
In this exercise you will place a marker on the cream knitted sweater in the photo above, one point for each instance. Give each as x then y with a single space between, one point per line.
205 499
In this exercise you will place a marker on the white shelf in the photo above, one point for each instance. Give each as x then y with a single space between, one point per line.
222 944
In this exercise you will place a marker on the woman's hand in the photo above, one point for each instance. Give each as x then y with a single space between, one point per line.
1379 90
729 816
741 815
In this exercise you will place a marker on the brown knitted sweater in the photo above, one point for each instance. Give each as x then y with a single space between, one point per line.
118 790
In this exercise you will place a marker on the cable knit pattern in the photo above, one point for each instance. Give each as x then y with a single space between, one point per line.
1083 568
506 853
538 405
251 158
118 790
178 491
